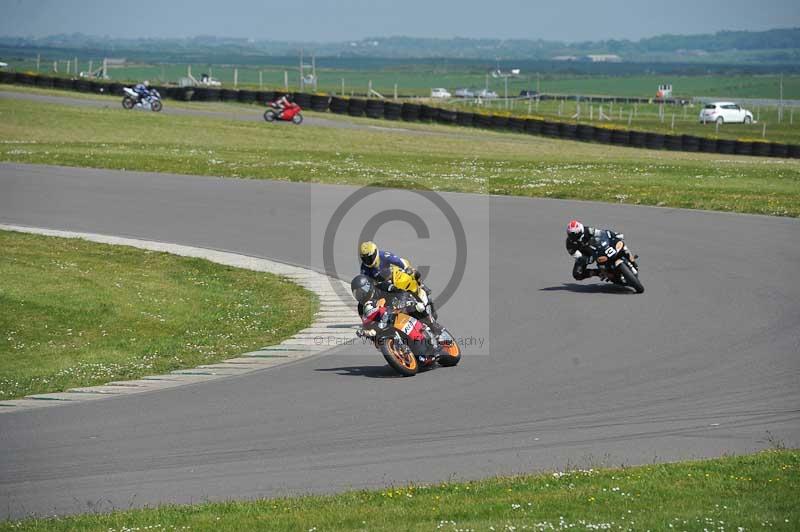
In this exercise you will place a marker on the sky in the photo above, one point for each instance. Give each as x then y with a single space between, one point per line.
342 20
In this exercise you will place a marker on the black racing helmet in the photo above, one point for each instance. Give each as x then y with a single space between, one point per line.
362 288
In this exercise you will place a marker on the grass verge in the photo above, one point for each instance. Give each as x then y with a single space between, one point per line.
754 492
438 157
75 313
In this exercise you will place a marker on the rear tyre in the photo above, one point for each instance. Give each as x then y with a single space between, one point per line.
128 103
400 357
156 106
297 119
451 352
748 120
269 115
631 279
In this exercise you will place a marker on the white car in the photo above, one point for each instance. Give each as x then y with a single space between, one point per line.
440 93
725 113
486 94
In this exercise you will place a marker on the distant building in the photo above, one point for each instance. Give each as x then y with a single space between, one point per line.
604 58
566 58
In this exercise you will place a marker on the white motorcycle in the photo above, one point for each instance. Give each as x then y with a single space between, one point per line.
132 99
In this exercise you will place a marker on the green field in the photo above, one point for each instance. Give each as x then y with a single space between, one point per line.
756 492
439 157
417 80
75 313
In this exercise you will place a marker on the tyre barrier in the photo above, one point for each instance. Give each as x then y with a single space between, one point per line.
356 106
320 103
446 116
550 129
482 121
410 112
392 110
638 139
779 149
654 141
708 145
464 119
338 105
375 108
498 122
742 147
673 142
246 96
428 113
585 132
690 143
228 95
726 146
533 126
603 135
621 137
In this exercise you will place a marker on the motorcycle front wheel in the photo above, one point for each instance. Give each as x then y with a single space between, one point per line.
269 115
451 352
156 106
297 119
128 103
399 357
631 279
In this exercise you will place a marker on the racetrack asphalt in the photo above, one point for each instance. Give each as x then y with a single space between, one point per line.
705 362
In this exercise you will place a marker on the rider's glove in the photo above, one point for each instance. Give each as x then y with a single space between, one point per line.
420 307
412 272
577 255
364 333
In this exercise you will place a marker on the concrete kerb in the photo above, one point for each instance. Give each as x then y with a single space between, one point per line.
334 319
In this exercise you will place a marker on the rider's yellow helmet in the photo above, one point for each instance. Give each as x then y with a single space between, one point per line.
368 252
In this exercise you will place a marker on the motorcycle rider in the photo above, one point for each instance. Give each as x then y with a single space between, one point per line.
579 240
374 312
380 266
287 100
142 90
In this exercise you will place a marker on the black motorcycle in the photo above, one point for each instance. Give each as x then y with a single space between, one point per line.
615 262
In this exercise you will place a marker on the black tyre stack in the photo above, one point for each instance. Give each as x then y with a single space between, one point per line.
603 135
568 131
726 146
654 141
428 113
673 142
392 110
690 143
638 139
356 106
550 129
375 108
464 118
410 112
482 121
265 96
303 99
778 149
6 77
228 95
447 117
44 81
621 137
517 125
742 147
320 102
24 79
246 96
498 122
762 149
339 105
585 132
794 151
533 126
708 145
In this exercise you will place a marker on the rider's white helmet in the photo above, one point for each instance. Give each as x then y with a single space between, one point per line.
574 229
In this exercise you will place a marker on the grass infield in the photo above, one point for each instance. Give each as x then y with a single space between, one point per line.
444 158
754 492
75 313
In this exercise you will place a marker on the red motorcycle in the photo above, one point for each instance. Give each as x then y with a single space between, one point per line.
290 113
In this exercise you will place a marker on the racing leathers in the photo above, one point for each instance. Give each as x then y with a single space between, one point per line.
143 91
392 273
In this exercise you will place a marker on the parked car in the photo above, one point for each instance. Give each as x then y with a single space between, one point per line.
440 93
487 94
528 94
725 113
465 93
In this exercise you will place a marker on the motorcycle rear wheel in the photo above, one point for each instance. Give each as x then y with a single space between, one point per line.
399 357
631 279
269 115
451 352
128 103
